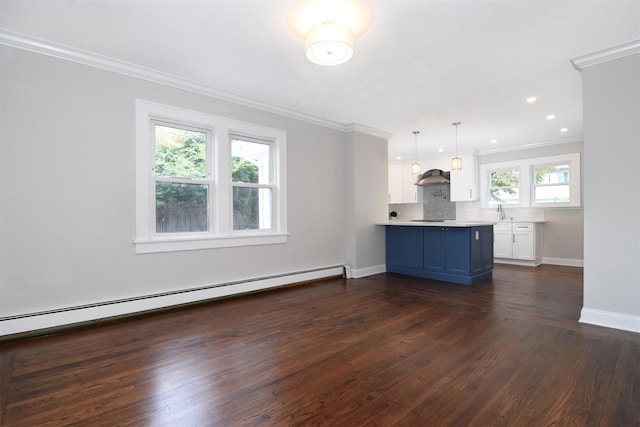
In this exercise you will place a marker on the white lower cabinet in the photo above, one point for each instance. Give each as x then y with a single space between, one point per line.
518 243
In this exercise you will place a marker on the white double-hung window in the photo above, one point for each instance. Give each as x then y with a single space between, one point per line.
556 181
552 181
206 182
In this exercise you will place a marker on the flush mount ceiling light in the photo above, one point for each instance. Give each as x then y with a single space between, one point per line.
329 27
456 162
416 168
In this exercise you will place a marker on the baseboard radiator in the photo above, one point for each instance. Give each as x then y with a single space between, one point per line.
49 320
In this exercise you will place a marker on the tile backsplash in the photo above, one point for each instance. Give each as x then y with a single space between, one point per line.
436 202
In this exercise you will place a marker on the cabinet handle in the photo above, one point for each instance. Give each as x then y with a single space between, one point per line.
470 197
514 238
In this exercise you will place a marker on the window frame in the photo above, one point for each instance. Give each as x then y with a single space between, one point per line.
573 161
220 208
490 202
270 185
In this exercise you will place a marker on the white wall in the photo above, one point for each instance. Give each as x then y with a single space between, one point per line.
67 191
366 203
611 96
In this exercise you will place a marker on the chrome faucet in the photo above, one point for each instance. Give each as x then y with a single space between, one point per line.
501 212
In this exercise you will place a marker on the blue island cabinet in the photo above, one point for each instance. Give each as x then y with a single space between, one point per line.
461 255
404 247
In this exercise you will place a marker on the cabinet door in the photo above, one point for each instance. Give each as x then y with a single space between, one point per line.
502 241
409 188
464 183
458 250
404 246
523 247
395 183
434 249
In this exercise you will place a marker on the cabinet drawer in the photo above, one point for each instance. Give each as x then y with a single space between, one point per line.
523 226
502 226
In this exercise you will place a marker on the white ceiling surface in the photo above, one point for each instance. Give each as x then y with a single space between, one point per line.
421 65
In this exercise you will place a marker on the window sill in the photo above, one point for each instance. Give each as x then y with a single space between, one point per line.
196 243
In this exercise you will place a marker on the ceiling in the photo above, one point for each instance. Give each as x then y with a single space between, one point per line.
422 65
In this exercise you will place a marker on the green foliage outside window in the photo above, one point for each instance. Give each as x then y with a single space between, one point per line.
504 185
246 204
183 207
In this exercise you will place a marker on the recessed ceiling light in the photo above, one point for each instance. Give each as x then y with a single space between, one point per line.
564 130
551 117
399 158
531 99
493 141
440 150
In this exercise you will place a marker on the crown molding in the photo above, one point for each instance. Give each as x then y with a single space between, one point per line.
598 57
60 51
356 127
539 144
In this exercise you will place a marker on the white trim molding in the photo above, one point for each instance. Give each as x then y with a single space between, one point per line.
567 262
357 273
68 53
609 319
31 322
604 55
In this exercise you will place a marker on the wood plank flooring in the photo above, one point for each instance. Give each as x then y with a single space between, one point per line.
386 350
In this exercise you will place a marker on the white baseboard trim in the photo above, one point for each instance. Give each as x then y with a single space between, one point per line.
522 262
569 262
368 271
609 319
30 322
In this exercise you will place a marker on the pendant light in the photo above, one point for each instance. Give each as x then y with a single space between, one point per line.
456 162
416 168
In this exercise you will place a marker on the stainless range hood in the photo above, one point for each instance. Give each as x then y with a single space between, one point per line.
433 176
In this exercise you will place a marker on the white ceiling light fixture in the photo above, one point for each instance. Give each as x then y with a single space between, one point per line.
456 162
329 27
416 168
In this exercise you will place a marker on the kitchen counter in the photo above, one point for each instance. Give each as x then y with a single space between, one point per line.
445 223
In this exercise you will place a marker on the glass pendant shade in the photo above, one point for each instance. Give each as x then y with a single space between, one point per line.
329 44
416 169
456 164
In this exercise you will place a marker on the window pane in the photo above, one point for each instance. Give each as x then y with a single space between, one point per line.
552 194
250 162
507 196
252 208
552 174
180 152
505 178
181 208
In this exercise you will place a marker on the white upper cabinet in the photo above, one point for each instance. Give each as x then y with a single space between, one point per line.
395 183
464 183
402 188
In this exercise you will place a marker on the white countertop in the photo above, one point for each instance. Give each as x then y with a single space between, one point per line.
446 223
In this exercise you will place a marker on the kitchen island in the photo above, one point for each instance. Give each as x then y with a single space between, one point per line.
451 251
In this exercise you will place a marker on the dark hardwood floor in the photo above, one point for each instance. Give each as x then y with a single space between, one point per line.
383 351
